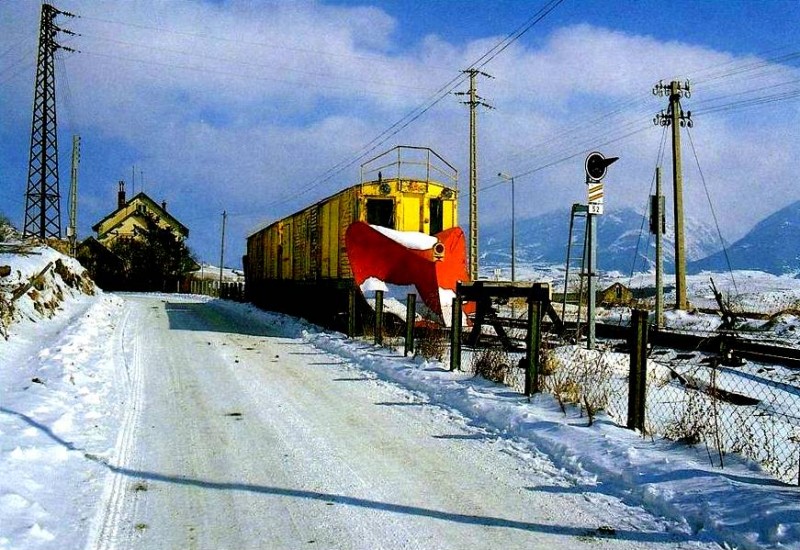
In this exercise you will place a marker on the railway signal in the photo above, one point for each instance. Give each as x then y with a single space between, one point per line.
595 166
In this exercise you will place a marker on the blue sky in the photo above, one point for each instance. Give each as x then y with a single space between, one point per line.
243 105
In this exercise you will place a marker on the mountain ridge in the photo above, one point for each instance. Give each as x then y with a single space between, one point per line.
623 234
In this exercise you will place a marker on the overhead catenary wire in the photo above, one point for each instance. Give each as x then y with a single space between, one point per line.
578 139
719 71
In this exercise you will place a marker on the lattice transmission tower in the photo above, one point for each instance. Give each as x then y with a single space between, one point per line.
42 199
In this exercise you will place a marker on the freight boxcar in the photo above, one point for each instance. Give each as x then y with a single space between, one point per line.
398 225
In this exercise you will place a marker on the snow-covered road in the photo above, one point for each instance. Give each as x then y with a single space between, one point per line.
244 435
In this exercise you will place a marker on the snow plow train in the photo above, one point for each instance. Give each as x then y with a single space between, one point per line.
394 231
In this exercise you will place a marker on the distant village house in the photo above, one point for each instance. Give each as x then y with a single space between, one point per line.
130 219
133 221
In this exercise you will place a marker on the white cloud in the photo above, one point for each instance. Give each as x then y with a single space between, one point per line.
239 105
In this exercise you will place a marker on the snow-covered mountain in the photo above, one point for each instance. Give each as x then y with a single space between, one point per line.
773 245
623 235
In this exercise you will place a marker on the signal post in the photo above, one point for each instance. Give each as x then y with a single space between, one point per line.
595 168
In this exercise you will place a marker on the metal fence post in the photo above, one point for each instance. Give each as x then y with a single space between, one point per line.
411 317
637 386
532 346
455 335
379 317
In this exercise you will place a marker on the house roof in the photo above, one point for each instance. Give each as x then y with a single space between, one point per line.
153 205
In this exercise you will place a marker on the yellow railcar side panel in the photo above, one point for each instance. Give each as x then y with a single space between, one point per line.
277 250
258 250
269 253
346 200
311 243
299 244
333 242
286 248
324 224
306 263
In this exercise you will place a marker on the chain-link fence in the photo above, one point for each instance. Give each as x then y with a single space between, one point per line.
748 409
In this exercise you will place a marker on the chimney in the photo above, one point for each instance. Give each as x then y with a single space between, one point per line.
121 194
164 206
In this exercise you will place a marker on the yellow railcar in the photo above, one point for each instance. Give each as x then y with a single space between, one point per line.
299 264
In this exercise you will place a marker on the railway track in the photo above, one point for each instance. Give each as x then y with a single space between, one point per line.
716 342
711 342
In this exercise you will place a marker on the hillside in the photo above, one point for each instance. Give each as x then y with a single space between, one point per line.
772 246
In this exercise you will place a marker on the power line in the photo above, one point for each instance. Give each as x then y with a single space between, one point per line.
280 47
327 75
433 100
204 70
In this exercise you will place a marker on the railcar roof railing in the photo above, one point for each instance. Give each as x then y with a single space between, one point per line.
410 162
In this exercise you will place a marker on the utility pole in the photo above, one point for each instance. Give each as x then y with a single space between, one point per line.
675 117
222 248
42 198
473 102
657 227
72 229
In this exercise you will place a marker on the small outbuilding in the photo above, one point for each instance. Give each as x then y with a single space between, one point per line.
617 295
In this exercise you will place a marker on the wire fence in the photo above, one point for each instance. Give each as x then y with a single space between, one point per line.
748 409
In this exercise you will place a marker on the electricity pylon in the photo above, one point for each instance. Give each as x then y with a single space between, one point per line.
42 199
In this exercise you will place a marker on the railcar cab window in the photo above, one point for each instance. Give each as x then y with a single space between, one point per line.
380 212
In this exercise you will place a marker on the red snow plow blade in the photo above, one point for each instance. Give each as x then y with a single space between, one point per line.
375 253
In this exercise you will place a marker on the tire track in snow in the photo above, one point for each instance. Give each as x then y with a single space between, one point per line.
105 530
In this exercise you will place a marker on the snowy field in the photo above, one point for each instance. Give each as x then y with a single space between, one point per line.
69 403
774 298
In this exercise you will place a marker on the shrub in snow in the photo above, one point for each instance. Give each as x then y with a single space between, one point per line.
431 343
492 364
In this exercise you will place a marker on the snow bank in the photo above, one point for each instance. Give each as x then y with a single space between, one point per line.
58 419
739 505
41 279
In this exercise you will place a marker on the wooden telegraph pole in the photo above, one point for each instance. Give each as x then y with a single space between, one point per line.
473 102
675 117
